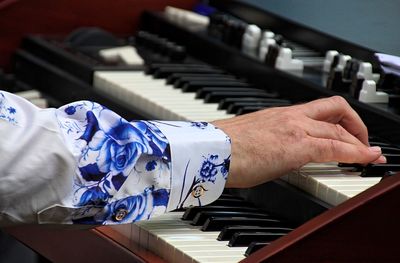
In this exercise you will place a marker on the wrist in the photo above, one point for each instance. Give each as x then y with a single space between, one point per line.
233 180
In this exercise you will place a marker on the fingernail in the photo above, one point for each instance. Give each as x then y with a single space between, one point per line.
375 149
382 159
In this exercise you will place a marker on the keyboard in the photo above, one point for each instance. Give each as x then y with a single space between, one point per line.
10 83
224 231
170 237
329 182
155 97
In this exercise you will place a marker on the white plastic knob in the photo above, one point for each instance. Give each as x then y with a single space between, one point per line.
126 54
368 93
285 61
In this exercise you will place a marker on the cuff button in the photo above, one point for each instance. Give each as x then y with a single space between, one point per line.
198 191
120 214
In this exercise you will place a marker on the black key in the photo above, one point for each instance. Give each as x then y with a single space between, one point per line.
244 239
249 109
356 166
392 158
193 86
229 196
379 170
234 107
202 93
150 69
175 52
165 72
217 223
217 96
177 76
228 231
224 104
372 138
230 202
388 149
380 144
191 212
255 246
179 83
201 217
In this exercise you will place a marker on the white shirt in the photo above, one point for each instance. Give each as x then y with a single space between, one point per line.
84 164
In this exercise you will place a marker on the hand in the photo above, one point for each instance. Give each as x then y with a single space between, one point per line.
270 143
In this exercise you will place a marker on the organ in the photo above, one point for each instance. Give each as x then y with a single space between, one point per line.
336 213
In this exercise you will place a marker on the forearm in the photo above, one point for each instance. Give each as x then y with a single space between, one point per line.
84 164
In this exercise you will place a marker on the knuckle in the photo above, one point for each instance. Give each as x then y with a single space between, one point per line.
339 100
339 130
334 152
316 152
328 150
295 132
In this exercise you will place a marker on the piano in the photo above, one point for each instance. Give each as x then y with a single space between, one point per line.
184 66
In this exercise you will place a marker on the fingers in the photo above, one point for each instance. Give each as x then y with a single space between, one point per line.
336 110
326 130
327 150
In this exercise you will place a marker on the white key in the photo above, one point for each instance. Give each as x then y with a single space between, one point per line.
29 94
330 183
41 103
178 241
156 98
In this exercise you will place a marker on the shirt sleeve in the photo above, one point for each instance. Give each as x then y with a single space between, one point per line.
84 164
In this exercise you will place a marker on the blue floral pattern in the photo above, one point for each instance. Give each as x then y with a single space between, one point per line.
208 172
109 148
104 169
7 111
199 124
137 207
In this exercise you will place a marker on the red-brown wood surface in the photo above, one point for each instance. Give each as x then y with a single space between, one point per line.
73 245
128 243
365 228
21 17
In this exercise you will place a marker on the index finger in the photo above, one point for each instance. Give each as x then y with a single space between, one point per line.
336 110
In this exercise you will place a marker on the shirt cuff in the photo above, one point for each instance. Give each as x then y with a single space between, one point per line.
200 162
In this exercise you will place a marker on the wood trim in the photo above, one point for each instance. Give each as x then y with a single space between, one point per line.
362 229
71 245
135 248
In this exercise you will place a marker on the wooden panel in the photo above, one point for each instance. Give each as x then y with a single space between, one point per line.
20 17
66 244
362 229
